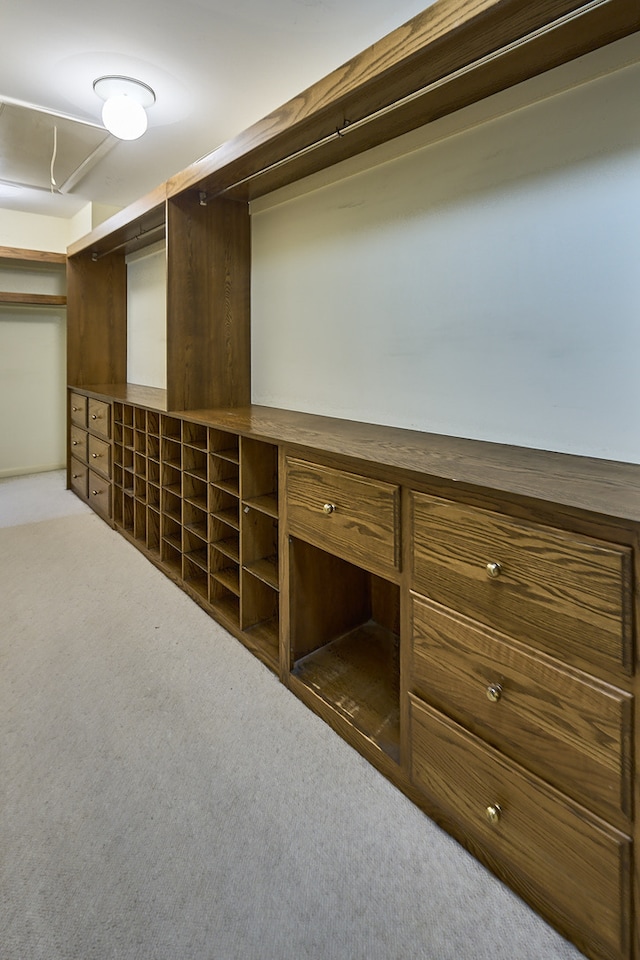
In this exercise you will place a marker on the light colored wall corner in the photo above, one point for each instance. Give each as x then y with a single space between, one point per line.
87 219
33 231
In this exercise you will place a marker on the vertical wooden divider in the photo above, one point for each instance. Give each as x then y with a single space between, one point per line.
208 301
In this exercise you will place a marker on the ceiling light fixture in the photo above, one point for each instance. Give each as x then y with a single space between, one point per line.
125 102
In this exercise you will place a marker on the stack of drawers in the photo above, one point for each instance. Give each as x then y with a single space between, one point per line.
90 450
521 726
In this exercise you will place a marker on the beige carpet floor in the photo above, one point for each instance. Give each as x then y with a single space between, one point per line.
165 798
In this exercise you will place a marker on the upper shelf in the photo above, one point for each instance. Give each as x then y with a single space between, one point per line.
453 54
31 256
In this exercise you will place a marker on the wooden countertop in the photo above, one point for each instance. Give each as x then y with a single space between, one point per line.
605 487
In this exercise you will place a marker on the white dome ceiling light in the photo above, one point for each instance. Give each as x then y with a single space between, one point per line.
125 104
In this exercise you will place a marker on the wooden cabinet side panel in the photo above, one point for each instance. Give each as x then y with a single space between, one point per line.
208 298
96 319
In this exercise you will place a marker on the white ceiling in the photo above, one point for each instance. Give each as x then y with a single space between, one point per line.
215 67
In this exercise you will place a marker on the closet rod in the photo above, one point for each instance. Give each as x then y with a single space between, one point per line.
98 255
350 126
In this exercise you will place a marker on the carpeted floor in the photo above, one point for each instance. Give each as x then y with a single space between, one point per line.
165 798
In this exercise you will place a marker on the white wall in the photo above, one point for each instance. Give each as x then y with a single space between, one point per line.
147 317
33 375
484 284
32 390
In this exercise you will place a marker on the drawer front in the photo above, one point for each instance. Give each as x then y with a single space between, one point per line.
567 594
573 730
78 409
100 456
99 494
351 516
78 443
573 867
79 477
99 419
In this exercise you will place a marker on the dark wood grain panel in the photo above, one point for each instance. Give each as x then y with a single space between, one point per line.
363 523
99 456
572 866
79 478
100 494
208 293
99 417
568 727
97 327
154 398
78 409
78 442
568 595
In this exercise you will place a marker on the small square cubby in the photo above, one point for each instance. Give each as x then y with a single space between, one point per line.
153 423
194 462
225 446
345 639
195 490
194 435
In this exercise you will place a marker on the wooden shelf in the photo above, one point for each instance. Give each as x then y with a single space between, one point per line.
229 577
34 299
32 256
265 570
229 547
352 674
266 504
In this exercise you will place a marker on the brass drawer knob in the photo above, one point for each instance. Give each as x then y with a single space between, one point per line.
494 692
493 813
95 455
74 443
494 569
96 492
329 508
94 416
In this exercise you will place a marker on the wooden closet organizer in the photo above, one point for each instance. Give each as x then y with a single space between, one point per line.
462 612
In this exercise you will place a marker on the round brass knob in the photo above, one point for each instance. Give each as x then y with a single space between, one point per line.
74 443
494 692
95 492
329 508
493 813
95 456
494 569
94 416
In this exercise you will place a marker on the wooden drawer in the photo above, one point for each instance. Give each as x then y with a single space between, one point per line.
100 456
572 866
79 477
351 516
99 419
568 727
78 443
99 494
567 594
78 409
